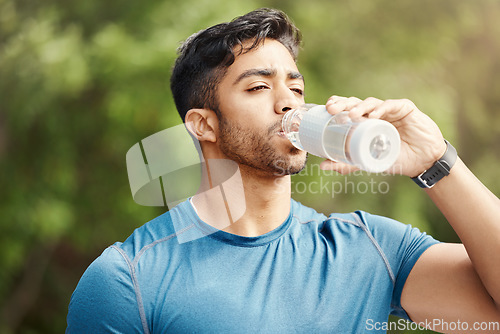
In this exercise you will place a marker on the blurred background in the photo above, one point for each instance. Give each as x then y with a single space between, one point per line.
83 81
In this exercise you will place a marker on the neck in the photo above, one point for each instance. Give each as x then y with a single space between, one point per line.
250 205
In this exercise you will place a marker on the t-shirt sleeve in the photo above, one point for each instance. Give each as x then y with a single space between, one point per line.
105 300
402 245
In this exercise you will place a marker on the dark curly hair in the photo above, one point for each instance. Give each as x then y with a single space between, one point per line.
206 55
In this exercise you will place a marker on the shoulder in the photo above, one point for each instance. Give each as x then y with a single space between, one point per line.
105 297
394 235
165 228
305 214
392 238
108 296
359 220
381 228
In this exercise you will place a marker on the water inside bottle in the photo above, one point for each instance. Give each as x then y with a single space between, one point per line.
291 125
335 139
293 137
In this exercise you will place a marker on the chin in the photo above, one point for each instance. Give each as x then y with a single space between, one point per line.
290 165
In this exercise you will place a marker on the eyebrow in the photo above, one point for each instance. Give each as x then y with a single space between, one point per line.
266 72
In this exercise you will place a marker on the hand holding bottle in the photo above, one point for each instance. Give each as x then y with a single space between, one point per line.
421 140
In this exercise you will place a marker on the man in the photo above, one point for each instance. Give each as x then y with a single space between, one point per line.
282 267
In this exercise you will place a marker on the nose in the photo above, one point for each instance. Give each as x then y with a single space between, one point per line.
286 101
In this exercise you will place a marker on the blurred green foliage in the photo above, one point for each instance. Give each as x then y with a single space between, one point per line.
82 82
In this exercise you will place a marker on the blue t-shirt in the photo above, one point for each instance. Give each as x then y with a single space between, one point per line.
312 274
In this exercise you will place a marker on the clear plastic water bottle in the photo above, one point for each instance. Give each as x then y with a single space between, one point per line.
370 144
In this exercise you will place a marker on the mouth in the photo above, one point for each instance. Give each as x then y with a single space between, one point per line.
281 133
276 129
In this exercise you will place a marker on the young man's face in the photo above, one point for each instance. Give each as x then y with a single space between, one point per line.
258 88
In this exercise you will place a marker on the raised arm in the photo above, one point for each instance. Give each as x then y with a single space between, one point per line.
460 282
452 287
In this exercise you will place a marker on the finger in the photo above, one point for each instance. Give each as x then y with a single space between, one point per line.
339 167
344 102
335 99
365 108
337 104
393 110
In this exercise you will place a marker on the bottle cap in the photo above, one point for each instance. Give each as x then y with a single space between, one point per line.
374 145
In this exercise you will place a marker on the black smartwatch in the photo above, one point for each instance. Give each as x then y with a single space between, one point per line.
439 170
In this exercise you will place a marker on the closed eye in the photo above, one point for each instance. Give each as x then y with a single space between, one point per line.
256 88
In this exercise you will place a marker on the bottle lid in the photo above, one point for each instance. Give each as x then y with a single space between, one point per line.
374 145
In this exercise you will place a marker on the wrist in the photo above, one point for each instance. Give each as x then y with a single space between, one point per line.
440 169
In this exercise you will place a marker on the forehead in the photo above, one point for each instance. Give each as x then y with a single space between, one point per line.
270 54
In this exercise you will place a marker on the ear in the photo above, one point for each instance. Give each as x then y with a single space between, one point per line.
202 124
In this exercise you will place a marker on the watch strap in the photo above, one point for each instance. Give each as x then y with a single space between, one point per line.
440 169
